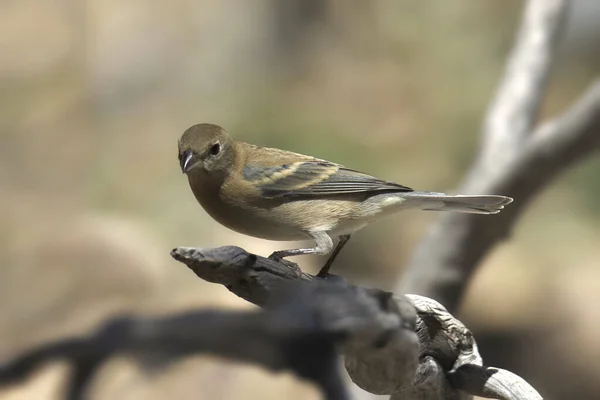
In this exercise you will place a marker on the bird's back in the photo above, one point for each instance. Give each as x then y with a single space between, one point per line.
267 156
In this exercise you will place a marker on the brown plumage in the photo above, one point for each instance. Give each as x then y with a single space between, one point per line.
281 195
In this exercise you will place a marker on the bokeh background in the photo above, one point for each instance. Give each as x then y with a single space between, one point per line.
94 94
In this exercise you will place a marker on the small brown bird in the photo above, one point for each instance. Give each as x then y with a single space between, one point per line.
279 195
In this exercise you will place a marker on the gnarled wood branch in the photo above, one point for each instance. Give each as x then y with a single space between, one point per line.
385 352
514 160
287 336
405 346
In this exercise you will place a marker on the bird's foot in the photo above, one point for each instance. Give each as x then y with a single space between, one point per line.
330 277
279 257
276 256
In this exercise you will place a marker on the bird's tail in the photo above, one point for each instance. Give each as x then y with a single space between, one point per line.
484 204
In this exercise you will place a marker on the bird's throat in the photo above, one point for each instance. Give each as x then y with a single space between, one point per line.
206 188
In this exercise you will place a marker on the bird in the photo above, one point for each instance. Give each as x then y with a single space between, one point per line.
280 195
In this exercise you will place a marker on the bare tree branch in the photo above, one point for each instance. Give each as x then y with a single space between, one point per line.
443 337
511 163
276 340
493 383
388 348
515 107
381 325
289 335
381 356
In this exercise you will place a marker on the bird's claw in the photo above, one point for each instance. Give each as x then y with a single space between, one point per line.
330 277
275 256
279 258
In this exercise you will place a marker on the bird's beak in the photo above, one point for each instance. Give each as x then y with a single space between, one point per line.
187 162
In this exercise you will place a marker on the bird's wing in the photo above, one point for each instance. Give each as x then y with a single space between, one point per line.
314 178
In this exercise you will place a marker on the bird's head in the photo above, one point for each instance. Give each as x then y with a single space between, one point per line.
205 148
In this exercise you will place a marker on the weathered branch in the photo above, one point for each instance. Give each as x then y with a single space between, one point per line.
493 383
288 337
441 336
514 161
378 324
515 107
407 346
382 355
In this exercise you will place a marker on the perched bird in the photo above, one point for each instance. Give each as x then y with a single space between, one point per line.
279 195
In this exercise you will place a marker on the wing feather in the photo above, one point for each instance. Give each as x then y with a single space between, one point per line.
314 178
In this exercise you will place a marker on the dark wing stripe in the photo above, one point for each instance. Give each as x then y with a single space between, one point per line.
314 178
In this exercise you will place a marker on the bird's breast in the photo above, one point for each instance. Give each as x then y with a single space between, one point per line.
239 212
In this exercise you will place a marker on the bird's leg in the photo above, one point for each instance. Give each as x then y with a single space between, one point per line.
324 246
325 270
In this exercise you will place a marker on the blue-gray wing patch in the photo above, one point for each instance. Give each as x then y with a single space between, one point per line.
314 178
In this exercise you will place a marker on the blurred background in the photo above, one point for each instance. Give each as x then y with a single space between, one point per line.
94 94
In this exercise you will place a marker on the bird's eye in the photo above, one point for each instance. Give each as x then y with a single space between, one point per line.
215 149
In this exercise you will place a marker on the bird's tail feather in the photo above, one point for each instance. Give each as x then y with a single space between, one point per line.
482 204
